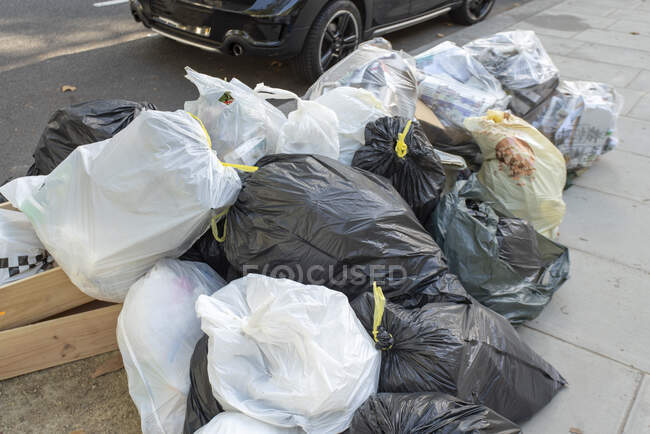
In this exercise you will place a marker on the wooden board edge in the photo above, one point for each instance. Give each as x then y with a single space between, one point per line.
8 206
55 342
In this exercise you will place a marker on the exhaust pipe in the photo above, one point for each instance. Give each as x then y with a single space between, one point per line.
237 50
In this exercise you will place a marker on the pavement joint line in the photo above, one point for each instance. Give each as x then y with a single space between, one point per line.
636 154
628 410
605 258
589 350
620 196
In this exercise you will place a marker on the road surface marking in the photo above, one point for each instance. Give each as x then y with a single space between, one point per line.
109 3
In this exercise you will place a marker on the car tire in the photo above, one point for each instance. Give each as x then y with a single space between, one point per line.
325 30
471 11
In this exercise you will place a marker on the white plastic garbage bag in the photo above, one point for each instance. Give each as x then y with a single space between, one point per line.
522 168
389 75
21 253
456 86
311 129
242 126
580 119
354 108
112 209
231 422
156 331
518 60
288 354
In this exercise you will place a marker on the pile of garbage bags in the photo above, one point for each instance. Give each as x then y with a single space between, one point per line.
357 263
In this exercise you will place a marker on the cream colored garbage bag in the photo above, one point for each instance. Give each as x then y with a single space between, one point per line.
522 168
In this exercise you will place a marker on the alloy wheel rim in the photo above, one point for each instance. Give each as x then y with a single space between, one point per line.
479 8
340 38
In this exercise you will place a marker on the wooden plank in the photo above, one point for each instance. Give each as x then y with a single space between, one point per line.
58 341
38 297
7 206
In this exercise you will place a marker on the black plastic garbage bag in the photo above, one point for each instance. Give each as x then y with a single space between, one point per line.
425 413
462 349
317 221
208 250
470 151
202 406
81 124
501 260
398 149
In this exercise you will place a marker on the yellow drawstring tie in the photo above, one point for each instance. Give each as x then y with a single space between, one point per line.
241 167
400 148
215 230
380 302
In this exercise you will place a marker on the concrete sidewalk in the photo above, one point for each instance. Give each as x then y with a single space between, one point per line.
596 331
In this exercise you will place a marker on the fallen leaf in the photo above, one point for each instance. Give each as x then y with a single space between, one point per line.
78 431
441 35
634 33
113 364
68 88
575 431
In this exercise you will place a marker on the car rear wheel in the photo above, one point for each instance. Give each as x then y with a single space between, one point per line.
472 11
336 32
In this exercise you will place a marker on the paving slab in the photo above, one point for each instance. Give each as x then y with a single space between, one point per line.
639 419
629 13
583 9
633 135
615 39
616 75
641 109
543 26
627 56
641 82
627 26
621 173
602 310
599 393
608 226
558 45
630 98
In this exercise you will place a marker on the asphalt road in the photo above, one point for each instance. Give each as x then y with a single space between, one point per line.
104 53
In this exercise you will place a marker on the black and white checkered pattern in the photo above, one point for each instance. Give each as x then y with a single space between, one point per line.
12 266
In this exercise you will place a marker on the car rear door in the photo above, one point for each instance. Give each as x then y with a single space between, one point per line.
418 7
389 11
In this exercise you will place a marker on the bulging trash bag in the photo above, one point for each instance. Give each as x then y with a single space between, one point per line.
409 413
456 86
202 406
156 331
81 124
389 75
317 221
287 354
580 119
500 259
521 168
397 148
518 59
231 422
112 209
462 349
311 129
243 127
354 108
21 253
208 250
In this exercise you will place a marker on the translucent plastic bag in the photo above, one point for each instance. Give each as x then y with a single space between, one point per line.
311 129
519 61
580 119
522 168
387 74
231 422
242 126
112 209
456 86
21 253
156 331
288 354
354 109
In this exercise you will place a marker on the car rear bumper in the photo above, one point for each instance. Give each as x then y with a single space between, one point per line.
225 31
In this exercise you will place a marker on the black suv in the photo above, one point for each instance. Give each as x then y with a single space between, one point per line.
317 33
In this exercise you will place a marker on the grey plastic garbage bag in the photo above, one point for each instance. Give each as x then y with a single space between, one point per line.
81 124
580 119
518 59
397 148
466 350
316 220
389 75
424 413
500 259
